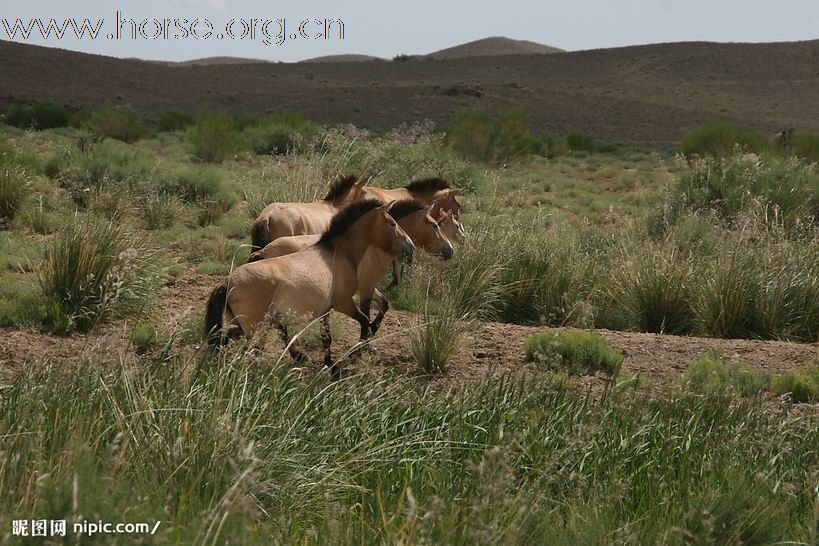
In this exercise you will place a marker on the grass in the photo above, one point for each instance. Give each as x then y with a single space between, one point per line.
713 374
293 461
214 138
93 271
14 187
800 385
37 116
577 352
119 124
721 139
478 136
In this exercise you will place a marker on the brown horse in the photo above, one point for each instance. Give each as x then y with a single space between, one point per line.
300 287
288 219
413 217
452 229
428 190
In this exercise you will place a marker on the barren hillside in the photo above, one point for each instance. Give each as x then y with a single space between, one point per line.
646 95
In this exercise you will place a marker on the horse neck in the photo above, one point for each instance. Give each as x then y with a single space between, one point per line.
353 244
413 225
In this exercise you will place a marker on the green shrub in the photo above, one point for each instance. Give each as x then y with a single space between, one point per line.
728 292
170 122
741 183
435 340
805 144
14 186
119 124
92 272
800 385
37 116
654 286
281 134
720 139
479 136
144 336
201 184
214 139
712 374
160 211
578 141
577 352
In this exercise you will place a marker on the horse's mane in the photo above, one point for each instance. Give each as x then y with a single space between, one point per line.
341 187
345 218
406 207
427 185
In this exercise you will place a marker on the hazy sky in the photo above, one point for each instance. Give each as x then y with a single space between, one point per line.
386 28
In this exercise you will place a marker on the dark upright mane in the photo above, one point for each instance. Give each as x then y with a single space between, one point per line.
345 218
341 187
427 185
406 207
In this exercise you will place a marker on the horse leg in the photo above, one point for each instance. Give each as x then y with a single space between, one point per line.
349 308
397 266
298 356
327 340
384 306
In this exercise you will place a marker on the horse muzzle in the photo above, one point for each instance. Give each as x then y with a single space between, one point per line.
407 249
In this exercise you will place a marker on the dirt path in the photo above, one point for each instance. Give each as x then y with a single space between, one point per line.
494 347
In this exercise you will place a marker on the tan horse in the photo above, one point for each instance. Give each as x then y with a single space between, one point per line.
414 218
288 219
300 287
452 229
428 190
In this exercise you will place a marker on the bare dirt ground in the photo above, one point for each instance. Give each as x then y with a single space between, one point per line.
494 348
643 96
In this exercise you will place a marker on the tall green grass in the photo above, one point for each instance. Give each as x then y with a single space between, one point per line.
95 271
119 124
479 136
243 451
720 139
214 138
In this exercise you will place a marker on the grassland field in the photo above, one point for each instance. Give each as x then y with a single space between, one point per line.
622 352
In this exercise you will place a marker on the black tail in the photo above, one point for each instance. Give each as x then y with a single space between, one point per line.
214 315
259 235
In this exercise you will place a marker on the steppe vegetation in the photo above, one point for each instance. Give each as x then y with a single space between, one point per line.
104 211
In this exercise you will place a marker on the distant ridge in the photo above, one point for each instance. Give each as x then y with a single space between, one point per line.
348 58
216 61
492 47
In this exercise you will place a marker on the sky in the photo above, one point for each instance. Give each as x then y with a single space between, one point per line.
384 28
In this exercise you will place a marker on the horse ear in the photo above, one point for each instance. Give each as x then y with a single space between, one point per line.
387 207
428 208
456 191
364 182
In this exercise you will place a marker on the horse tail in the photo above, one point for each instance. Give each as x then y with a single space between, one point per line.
259 235
214 315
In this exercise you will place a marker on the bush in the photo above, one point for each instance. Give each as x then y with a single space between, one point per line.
170 122
160 211
14 186
435 340
720 139
214 139
741 183
578 141
37 117
578 352
654 286
118 124
144 336
800 385
199 184
281 134
478 136
712 374
805 144
92 272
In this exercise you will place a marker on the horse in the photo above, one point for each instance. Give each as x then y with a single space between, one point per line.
427 190
300 287
452 229
287 219
414 218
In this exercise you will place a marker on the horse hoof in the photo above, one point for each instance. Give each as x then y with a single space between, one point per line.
301 359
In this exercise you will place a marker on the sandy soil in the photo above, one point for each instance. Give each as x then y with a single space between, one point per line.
493 348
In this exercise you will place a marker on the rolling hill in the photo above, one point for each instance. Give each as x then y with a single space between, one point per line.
493 47
647 96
